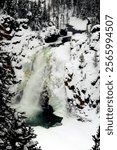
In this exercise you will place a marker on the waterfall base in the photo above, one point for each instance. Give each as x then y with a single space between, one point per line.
44 120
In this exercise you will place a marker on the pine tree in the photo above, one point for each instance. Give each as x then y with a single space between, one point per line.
14 134
74 7
82 60
2 2
95 59
45 15
10 7
78 8
57 14
69 4
95 11
22 8
84 10
96 139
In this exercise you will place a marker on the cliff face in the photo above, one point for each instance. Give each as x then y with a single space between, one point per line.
82 74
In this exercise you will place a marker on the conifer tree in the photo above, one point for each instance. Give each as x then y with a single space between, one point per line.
45 15
81 60
14 134
96 139
84 10
2 2
22 8
95 59
69 4
95 11
10 7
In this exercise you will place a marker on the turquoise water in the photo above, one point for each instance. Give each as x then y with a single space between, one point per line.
44 120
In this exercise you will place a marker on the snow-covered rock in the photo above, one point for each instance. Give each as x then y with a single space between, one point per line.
82 75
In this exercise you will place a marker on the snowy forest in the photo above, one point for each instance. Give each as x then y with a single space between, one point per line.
49 74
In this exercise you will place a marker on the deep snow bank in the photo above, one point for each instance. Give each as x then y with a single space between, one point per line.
71 135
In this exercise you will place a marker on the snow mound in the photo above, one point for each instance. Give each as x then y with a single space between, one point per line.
77 23
71 135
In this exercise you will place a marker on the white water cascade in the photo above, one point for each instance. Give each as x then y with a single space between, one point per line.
30 100
48 70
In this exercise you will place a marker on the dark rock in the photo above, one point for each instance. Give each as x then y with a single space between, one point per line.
79 106
70 75
81 67
18 67
66 84
48 110
25 26
17 42
97 102
87 100
66 39
72 87
92 48
83 91
63 32
19 97
95 29
69 100
94 82
51 38
44 99
94 106
78 92
74 31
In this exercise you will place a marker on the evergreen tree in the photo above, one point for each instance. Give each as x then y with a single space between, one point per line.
84 10
96 139
10 7
58 13
23 8
74 7
82 61
69 4
60 9
48 11
45 14
78 7
2 2
14 134
95 11
81 58
95 59
91 8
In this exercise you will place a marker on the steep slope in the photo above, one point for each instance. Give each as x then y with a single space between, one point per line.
82 74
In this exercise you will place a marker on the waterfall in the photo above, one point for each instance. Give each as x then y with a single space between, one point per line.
48 71
40 74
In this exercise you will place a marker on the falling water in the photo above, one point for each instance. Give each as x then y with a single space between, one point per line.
40 74
48 71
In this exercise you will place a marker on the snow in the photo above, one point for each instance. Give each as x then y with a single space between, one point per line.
52 66
72 135
43 65
77 23
82 78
